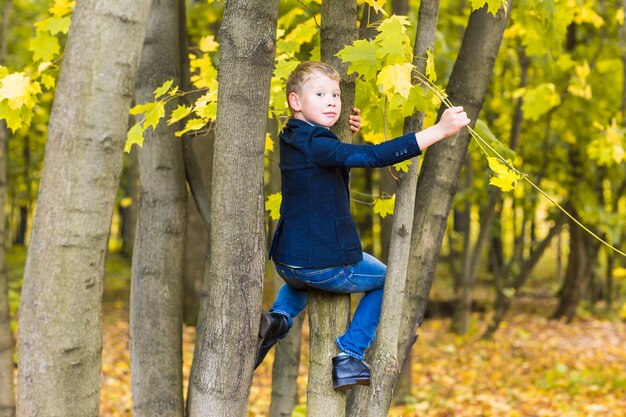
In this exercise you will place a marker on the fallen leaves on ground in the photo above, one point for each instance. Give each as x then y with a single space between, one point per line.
533 367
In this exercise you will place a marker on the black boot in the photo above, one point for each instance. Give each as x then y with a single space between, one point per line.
273 328
349 371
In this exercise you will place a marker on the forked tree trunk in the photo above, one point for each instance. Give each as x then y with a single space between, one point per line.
157 271
223 363
339 28
59 343
442 164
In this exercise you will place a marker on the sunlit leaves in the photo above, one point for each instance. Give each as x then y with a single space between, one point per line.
607 148
492 5
377 5
272 204
269 143
16 89
505 178
396 78
62 7
403 166
362 57
384 206
539 100
44 46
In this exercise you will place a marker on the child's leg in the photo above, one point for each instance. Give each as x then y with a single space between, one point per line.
290 302
367 276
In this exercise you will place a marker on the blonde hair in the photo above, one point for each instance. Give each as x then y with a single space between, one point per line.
304 71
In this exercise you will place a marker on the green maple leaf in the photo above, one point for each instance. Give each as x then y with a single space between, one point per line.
539 100
384 206
44 46
362 57
417 101
272 204
395 46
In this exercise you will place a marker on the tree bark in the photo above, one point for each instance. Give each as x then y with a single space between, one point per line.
327 321
285 371
7 391
60 340
385 365
157 271
441 166
339 28
198 154
222 370
582 255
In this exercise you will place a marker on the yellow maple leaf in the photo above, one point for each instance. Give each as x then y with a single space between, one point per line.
377 5
272 204
62 7
375 138
208 44
396 78
384 206
16 89
506 178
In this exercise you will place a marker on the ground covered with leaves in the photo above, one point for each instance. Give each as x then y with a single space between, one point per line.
533 367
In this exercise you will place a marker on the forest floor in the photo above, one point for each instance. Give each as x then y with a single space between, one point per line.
534 367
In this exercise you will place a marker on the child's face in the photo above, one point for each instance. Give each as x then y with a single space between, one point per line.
318 102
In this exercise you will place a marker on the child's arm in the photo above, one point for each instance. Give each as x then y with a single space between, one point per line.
451 122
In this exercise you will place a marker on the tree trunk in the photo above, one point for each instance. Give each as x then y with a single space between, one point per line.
581 259
60 343
128 213
441 166
326 310
7 392
504 300
385 365
222 370
285 371
327 321
157 272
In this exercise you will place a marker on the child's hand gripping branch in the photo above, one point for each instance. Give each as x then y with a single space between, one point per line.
316 244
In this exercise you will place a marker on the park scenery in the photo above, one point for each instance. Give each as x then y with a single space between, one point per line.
140 181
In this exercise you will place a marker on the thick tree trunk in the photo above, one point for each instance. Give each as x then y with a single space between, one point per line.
157 272
441 166
222 370
328 312
59 343
327 321
385 364
7 392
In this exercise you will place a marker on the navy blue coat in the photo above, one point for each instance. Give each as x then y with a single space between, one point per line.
316 229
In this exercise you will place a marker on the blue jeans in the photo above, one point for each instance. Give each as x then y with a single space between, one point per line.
367 276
